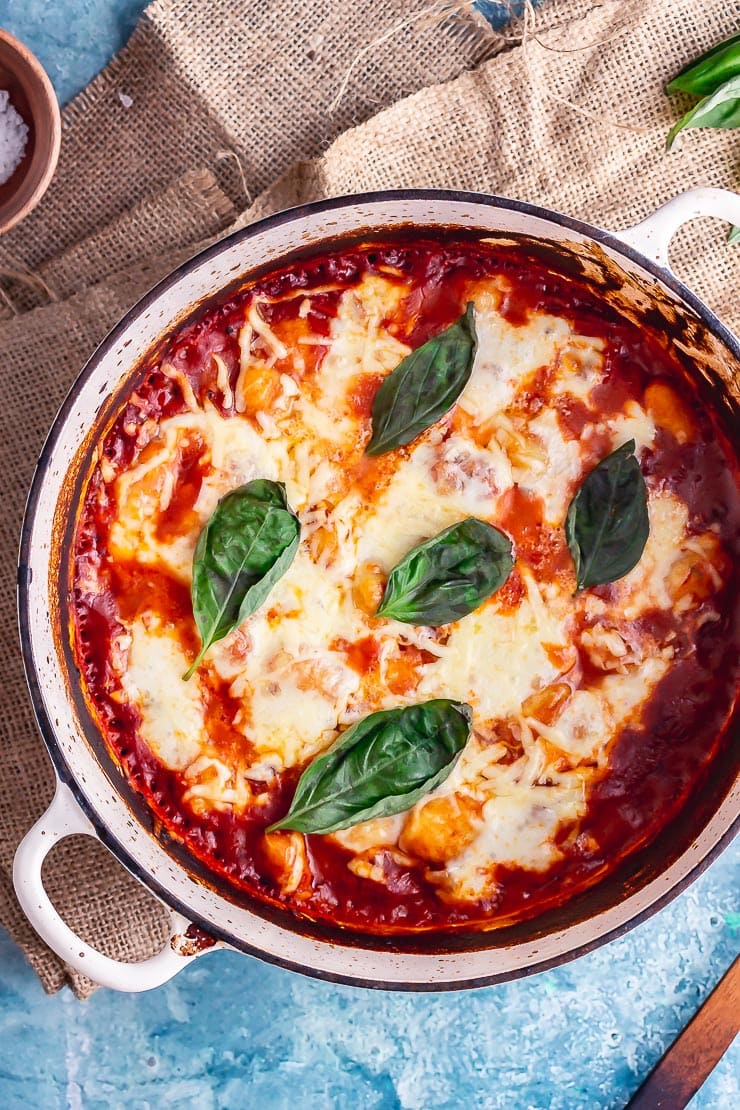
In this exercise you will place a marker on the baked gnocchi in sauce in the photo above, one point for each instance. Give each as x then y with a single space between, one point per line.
594 712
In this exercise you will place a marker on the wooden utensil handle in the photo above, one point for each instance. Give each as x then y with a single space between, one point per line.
681 1070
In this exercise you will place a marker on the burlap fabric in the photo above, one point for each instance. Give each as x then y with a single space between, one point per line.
569 113
210 101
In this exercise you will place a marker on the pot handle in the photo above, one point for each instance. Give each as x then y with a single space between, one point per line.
65 818
653 235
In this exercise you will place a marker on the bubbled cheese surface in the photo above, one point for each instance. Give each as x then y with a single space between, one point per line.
289 671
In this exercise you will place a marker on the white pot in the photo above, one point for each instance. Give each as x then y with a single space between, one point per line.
92 796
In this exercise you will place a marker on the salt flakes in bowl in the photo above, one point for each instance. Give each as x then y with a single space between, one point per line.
30 131
13 138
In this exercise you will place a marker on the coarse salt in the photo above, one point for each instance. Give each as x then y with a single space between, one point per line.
13 138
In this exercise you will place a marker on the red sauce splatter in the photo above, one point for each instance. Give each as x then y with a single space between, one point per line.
179 518
538 544
362 392
362 655
573 415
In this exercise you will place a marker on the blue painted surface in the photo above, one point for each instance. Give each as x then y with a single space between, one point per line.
73 39
231 1032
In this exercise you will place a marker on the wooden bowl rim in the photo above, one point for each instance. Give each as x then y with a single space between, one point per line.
46 152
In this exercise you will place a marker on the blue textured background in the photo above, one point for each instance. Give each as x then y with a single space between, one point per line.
231 1032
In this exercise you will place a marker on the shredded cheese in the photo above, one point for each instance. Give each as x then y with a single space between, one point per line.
289 665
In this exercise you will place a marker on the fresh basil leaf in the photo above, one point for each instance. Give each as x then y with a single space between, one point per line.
246 546
448 576
267 491
707 72
734 236
721 110
607 523
424 386
380 766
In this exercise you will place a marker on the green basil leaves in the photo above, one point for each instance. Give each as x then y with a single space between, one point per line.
380 766
449 576
424 386
705 74
607 523
246 546
715 76
721 109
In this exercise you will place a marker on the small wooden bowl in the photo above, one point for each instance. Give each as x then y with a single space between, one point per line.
34 99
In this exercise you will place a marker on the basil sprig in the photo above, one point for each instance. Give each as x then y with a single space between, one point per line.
380 766
246 546
721 109
607 523
714 76
424 386
448 576
706 73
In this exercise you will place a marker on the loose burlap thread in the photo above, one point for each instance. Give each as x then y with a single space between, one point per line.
229 100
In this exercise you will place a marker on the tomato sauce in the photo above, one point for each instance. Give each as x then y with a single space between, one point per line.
652 770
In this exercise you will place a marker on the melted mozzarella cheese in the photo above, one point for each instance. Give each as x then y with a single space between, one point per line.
525 802
646 585
633 423
564 467
438 485
288 665
506 357
592 717
358 344
494 660
557 481
517 831
379 832
580 367
296 685
235 453
172 711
